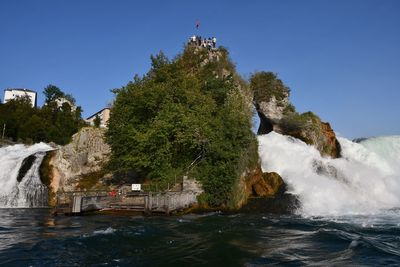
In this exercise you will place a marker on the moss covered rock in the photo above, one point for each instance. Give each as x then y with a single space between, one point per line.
255 183
309 128
271 99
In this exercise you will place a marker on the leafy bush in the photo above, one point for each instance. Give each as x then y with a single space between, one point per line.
297 122
265 85
97 121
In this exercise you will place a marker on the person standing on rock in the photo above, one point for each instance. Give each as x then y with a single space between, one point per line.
214 42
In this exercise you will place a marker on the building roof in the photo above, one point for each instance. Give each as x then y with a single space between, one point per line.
20 89
96 113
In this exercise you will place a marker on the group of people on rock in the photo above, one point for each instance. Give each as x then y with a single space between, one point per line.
208 43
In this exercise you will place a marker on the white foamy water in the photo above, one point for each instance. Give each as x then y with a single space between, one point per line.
107 231
365 181
30 192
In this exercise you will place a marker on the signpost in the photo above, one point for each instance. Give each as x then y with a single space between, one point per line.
136 187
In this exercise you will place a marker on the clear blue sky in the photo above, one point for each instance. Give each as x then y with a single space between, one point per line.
340 58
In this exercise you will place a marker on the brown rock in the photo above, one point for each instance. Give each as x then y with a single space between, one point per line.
276 113
332 145
318 134
268 185
261 184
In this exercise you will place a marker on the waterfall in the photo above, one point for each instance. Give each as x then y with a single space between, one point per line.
366 180
20 184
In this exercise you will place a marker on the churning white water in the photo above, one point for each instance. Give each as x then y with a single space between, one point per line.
366 180
29 192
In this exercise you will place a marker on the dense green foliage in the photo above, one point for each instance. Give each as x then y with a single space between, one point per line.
265 85
184 117
54 122
296 122
52 94
97 121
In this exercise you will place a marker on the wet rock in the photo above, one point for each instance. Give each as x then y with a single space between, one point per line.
280 203
255 183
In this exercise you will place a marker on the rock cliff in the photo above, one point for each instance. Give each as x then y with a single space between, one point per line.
260 184
276 113
84 155
255 184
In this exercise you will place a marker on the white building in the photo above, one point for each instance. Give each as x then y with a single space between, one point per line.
104 116
13 93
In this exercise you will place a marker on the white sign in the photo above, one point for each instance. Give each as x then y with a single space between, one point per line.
136 187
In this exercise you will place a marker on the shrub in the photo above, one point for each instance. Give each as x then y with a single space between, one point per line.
265 85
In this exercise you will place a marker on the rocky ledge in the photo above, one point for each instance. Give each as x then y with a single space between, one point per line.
276 113
82 157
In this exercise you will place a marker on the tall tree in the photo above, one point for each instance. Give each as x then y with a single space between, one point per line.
51 93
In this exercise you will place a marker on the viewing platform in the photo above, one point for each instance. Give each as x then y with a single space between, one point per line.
167 202
197 41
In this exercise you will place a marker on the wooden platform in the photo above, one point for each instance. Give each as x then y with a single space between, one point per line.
77 203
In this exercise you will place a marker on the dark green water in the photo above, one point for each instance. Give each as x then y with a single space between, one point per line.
32 237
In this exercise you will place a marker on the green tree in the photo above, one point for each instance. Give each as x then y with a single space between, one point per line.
97 121
64 120
266 84
50 123
13 114
51 93
35 129
185 116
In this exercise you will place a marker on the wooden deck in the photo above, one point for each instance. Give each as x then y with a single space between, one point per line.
77 203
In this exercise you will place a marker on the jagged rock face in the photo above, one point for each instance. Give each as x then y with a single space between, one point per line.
318 134
270 113
85 154
273 109
269 185
271 99
255 183
212 55
265 184
332 146
312 131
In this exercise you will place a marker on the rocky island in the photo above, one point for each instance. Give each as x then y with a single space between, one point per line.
187 119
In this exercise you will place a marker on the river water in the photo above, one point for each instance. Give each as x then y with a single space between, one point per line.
348 214
33 237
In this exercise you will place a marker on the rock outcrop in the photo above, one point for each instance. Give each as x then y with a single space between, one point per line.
265 184
253 184
269 185
84 155
276 113
309 128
